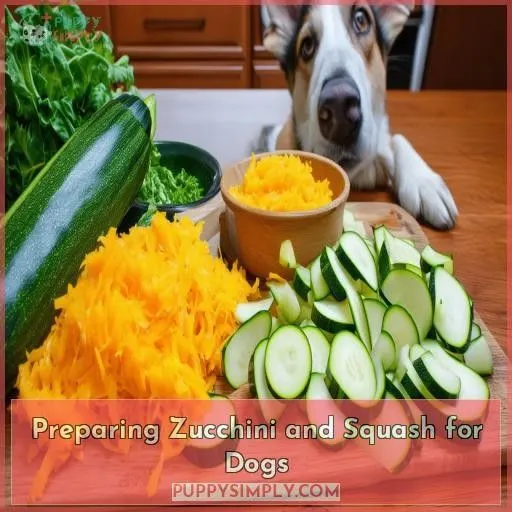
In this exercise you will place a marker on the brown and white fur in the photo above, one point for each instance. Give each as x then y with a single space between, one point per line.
318 42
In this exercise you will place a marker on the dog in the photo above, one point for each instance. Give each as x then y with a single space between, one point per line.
334 59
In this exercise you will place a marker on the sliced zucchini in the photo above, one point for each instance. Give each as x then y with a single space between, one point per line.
238 350
348 217
474 391
352 367
319 287
334 274
375 311
288 362
287 301
207 452
396 251
380 377
411 381
319 406
439 380
400 325
320 349
275 324
247 310
385 350
287 255
269 406
416 352
381 233
339 279
476 331
453 312
302 282
394 388
371 246
431 259
478 356
407 289
332 316
356 257
368 293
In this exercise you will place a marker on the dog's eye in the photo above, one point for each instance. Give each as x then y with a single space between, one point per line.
307 48
361 21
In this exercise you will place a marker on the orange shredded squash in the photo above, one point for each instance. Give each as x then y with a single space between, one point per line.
281 183
147 318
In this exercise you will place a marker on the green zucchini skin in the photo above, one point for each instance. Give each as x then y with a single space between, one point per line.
85 189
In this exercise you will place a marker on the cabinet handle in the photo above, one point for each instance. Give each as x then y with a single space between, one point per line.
196 24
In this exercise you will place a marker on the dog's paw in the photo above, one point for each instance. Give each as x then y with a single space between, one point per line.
266 140
421 191
429 199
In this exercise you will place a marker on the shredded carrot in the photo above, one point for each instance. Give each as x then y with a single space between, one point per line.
281 183
147 318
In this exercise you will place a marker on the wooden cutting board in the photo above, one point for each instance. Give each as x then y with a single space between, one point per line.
442 469
399 223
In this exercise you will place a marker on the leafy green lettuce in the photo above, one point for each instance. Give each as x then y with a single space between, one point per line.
58 73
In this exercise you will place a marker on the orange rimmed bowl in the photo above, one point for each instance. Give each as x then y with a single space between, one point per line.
253 236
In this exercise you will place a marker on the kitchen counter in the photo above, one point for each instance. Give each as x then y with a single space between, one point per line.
462 135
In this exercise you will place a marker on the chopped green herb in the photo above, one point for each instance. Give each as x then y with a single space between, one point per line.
164 186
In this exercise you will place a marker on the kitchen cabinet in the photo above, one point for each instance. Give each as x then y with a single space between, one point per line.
198 46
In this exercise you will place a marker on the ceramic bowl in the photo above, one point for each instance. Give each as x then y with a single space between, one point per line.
254 236
196 161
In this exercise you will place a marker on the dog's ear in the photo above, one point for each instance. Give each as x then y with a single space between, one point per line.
391 18
279 27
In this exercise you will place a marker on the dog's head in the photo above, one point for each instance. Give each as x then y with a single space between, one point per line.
334 58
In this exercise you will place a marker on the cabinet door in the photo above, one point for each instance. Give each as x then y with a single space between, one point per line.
198 25
266 72
468 49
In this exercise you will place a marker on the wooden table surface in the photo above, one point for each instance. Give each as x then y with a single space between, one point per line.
461 135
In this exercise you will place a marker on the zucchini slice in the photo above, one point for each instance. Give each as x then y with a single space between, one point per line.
476 331
356 257
247 310
319 406
400 325
453 312
339 280
431 259
332 316
269 406
375 311
439 380
320 348
381 233
407 289
302 282
474 391
287 255
397 251
319 287
385 350
288 362
352 367
478 356
238 350
287 301
210 452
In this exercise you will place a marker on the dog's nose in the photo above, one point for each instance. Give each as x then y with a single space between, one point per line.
339 110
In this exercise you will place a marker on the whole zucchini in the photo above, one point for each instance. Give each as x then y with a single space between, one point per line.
85 189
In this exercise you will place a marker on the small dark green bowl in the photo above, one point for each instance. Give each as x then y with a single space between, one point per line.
195 161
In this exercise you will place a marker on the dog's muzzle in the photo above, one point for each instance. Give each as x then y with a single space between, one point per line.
339 110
